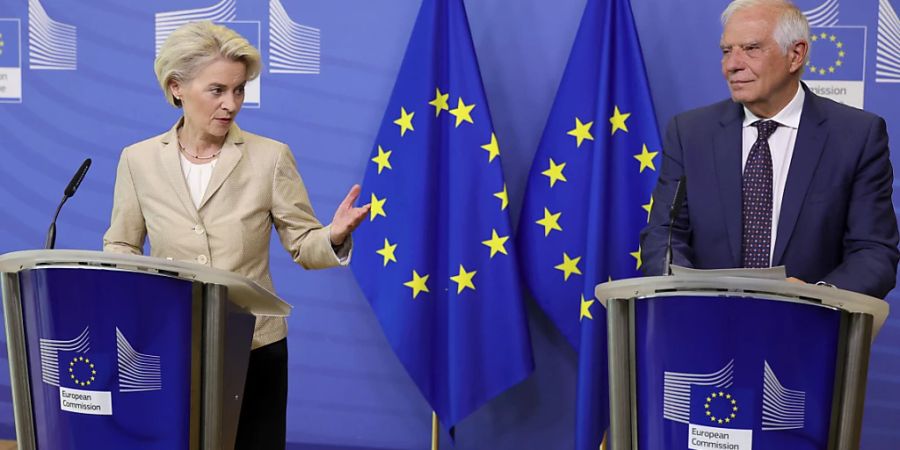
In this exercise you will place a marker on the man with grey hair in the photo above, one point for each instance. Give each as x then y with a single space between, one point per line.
776 175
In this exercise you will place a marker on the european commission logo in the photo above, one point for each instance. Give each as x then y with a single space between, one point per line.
836 67
838 53
887 56
10 61
837 63
51 45
293 48
85 382
722 415
823 15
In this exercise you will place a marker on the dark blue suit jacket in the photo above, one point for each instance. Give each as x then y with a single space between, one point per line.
837 221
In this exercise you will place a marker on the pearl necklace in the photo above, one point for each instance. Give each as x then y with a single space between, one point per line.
202 158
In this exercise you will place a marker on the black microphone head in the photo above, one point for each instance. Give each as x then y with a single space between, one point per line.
76 180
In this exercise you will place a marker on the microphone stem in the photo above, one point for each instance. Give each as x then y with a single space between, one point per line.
50 243
669 252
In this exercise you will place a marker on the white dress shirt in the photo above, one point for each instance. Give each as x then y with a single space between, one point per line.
781 145
197 177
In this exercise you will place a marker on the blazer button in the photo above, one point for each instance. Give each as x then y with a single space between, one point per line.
198 229
202 259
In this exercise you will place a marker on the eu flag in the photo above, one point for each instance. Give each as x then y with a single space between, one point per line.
435 258
9 43
836 53
589 194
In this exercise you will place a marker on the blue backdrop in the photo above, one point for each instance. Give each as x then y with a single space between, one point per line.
76 81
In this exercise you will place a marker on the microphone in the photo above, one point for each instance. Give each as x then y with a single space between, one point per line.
70 191
677 203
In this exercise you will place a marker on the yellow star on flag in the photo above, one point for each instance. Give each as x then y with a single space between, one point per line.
377 207
646 159
555 172
462 112
618 121
568 266
463 279
637 255
417 284
496 243
439 102
550 222
492 148
387 252
581 132
405 121
504 197
648 207
383 159
586 308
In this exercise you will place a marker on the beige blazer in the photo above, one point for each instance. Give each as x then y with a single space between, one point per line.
254 185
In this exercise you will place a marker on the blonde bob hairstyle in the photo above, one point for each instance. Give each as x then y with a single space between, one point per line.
194 45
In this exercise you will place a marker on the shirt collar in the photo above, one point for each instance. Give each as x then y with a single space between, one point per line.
789 116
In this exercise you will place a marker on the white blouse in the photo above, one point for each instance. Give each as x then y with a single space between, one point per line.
197 177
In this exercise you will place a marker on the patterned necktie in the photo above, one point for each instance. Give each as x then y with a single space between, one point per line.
756 206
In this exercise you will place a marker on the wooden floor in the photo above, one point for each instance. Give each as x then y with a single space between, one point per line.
7 445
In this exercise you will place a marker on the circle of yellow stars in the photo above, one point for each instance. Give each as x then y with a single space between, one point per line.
552 220
81 360
496 244
825 37
1 43
731 411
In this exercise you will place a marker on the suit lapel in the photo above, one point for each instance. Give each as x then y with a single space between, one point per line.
228 160
727 157
811 137
171 162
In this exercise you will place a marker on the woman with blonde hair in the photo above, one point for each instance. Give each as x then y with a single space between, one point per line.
208 192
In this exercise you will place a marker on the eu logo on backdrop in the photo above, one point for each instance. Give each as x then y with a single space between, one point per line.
10 61
720 418
887 57
86 379
293 48
836 66
52 45
724 410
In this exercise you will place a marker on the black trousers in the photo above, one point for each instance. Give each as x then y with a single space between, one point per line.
262 424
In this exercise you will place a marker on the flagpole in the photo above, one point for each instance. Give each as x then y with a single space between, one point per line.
435 429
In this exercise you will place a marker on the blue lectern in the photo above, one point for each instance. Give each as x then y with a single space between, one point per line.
726 362
127 352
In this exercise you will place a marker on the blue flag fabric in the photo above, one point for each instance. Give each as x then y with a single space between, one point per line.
589 194
435 258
